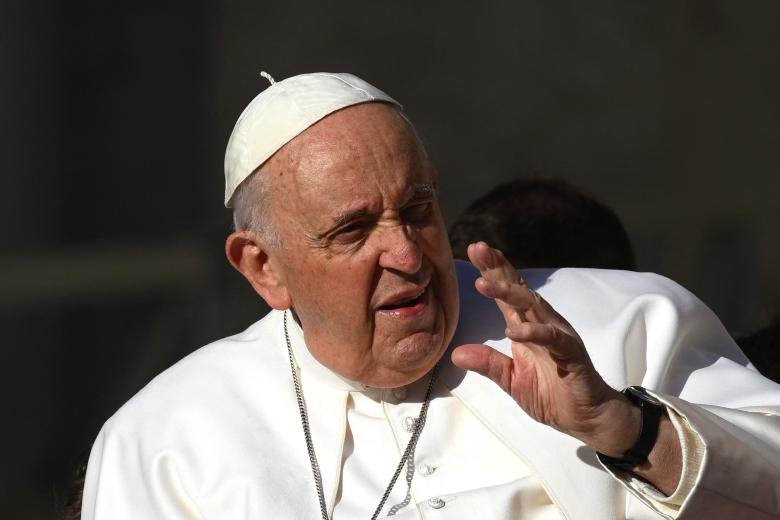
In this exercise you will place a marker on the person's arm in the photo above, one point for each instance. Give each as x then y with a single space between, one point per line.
551 376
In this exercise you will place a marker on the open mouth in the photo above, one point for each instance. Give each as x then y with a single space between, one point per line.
412 301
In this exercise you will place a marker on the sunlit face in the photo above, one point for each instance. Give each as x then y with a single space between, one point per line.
364 252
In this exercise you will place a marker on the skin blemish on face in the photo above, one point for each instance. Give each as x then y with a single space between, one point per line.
366 258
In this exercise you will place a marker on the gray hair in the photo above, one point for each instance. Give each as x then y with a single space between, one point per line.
251 204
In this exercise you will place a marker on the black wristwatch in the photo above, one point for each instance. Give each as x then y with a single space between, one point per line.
652 410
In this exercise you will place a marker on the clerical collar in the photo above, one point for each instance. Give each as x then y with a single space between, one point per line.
310 367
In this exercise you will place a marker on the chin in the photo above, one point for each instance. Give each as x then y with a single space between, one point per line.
393 379
413 361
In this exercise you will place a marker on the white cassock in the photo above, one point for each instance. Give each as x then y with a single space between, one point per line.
218 435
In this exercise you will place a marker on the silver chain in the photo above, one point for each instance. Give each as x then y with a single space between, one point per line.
315 468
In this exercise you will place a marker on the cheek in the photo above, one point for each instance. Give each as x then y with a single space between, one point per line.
448 285
435 234
342 290
436 247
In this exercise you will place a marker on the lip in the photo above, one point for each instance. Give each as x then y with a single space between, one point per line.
411 310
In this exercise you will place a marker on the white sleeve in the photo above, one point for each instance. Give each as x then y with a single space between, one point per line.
727 414
692 448
643 329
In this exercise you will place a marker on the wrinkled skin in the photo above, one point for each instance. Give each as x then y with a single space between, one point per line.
550 374
355 209
365 264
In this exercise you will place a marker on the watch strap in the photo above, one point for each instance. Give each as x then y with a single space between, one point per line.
651 410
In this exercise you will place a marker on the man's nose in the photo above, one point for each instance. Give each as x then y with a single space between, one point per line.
400 250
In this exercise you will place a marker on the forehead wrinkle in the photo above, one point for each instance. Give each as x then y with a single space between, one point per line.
332 142
417 191
330 146
290 187
343 217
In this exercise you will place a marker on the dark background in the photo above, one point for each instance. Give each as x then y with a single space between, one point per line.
115 116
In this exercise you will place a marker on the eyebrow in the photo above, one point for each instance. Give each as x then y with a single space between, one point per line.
340 220
421 191
418 192
348 216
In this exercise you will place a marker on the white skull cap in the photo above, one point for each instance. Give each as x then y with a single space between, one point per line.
284 110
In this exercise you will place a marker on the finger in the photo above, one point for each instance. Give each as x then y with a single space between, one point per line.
513 315
562 347
519 296
519 299
495 269
485 361
492 263
501 281
524 300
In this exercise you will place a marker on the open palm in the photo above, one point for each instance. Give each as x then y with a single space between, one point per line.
550 374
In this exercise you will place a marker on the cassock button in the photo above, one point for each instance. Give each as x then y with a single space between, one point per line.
399 393
409 424
426 470
436 502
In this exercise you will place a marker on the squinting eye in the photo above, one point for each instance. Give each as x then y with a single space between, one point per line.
351 232
417 212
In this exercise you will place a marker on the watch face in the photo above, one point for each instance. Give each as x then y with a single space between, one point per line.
642 394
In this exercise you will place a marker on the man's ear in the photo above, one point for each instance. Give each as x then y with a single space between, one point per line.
249 255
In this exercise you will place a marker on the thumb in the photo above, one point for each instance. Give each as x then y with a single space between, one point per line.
485 361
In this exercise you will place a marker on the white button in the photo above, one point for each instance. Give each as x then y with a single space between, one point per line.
399 393
426 470
409 424
436 502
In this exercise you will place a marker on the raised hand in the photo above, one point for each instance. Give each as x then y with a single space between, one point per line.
550 374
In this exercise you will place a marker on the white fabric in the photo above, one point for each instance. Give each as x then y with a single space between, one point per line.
693 450
284 110
218 435
445 461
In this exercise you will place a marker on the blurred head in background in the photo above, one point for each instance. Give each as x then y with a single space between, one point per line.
544 223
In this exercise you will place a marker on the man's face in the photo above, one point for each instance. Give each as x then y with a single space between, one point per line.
364 252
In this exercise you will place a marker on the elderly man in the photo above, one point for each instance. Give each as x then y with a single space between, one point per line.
345 401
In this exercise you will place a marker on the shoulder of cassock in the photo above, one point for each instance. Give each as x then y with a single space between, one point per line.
219 432
200 437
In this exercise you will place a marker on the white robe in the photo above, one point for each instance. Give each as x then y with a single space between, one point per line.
218 436
452 479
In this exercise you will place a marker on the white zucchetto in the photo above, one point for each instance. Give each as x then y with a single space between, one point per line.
284 110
